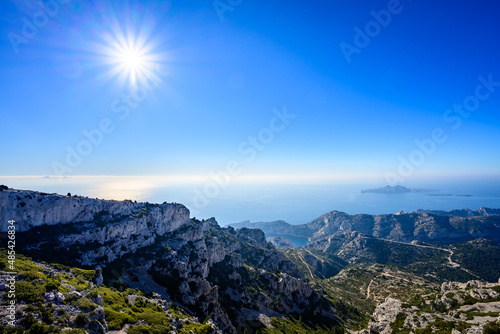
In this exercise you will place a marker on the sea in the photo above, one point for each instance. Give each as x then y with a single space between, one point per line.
269 201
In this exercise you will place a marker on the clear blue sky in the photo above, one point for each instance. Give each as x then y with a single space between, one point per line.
225 77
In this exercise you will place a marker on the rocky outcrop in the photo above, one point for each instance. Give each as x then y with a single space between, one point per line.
228 271
407 227
253 236
31 208
384 315
481 212
93 231
278 227
280 242
453 306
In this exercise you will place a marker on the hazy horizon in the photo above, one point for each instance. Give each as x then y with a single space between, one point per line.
264 200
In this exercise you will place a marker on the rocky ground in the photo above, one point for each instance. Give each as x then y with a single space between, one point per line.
55 299
458 308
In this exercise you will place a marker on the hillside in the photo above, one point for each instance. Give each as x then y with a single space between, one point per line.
68 299
233 277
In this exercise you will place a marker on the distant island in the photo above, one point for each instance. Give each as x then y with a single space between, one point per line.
447 195
394 190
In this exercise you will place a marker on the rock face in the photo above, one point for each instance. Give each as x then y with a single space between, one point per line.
30 209
384 315
280 242
230 271
451 306
93 231
278 227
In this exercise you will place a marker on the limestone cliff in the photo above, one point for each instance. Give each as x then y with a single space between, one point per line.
91 231
31 208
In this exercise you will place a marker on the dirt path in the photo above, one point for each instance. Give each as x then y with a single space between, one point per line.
368 289
307 265
307 250
452 264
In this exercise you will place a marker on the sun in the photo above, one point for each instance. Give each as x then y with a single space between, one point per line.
132 59
131 53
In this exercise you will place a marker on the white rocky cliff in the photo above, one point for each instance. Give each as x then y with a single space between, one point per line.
112 227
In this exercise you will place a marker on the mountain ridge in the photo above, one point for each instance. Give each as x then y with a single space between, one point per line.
436 226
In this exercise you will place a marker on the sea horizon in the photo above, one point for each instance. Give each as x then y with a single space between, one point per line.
271 201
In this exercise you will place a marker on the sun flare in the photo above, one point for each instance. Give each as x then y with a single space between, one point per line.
130 51
132 59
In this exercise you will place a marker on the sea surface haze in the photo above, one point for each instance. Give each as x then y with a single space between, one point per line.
293 203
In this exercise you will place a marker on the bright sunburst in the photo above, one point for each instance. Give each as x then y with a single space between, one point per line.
132 59
129 53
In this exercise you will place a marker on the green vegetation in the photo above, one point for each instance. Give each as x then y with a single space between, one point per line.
29 292
441 326
11 330
492 328
118 311
286 326
397 325
482 258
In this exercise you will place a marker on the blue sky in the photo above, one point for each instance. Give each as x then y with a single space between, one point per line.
224 80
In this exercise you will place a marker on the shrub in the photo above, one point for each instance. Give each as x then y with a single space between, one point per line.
88 275
47 316
51 285
157 329
29 292
11 330
398 323
141 329
85 304
491 328
44 329
204 329
71 298
31 275
81 320
28 321
153 318
116 319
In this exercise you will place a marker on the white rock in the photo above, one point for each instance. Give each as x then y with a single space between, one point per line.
60 297
49 296
76 293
